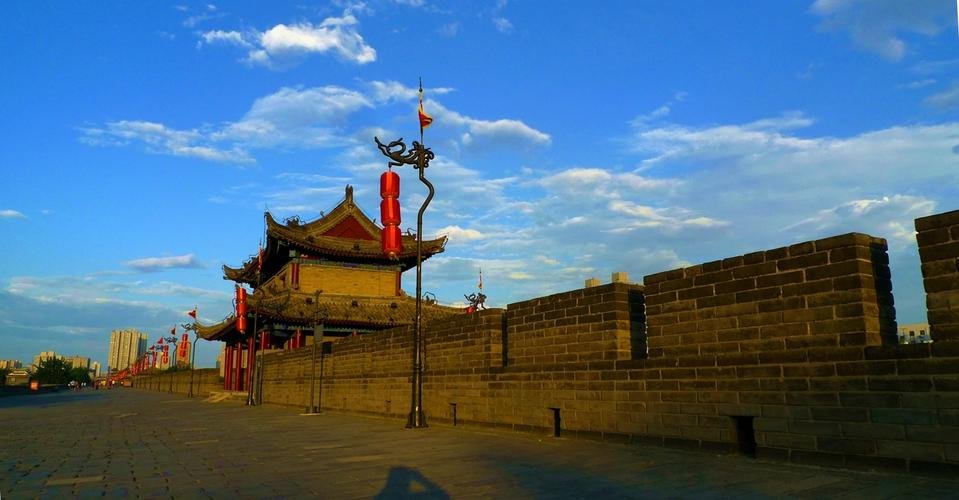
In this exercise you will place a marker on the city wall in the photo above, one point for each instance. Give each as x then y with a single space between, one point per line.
787 354
205 382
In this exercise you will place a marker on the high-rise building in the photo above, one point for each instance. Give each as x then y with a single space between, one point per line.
95 369
125 347
10 364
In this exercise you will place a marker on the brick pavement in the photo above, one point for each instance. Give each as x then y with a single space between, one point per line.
129 443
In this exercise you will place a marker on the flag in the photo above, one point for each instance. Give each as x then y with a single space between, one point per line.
173 330
192 313
259 260
425 119
481 280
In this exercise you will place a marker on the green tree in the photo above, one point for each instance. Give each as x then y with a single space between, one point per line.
3 376
52 371
80 374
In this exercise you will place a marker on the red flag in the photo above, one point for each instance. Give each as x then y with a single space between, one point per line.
173 330
160 341
425 119
481 280
259 260
192 313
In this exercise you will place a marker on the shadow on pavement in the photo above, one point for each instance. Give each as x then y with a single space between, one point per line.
404 482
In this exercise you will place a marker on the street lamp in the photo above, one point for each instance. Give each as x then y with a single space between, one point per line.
171 340
196 336
419 158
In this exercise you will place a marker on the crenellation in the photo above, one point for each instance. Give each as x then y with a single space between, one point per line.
796 337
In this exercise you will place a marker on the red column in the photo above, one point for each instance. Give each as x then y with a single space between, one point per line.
251 345
227 367
264 340
238 366
299 338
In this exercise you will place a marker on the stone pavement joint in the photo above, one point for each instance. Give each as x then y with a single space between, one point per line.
71 445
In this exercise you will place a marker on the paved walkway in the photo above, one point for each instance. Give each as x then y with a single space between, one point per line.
128 443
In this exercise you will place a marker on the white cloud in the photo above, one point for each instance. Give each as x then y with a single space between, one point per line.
283 44
917 84
672 142
296 117
449 30
502 131
161 139
503 25
227 37
391 91
947 99
153 264
11 214
889 216
877 25
457 234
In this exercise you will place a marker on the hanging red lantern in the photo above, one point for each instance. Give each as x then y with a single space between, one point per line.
390 211
241 309
392 241
390 185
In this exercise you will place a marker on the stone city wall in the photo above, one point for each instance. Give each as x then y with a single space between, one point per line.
787 354
205 382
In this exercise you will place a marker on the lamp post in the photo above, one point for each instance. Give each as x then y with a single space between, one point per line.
171 340
419 158
196 336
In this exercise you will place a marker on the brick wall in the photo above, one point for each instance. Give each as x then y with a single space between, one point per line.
788 353
938 237
204 382
590 324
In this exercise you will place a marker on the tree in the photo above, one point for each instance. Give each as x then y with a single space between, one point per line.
3 376
52 371
80 374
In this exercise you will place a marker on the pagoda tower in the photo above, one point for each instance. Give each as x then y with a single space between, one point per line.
328 278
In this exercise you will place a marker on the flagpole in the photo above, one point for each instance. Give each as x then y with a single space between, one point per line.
421 107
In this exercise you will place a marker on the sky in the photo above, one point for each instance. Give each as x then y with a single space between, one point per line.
142 142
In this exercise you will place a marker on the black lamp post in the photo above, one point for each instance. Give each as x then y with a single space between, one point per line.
419 158
171 340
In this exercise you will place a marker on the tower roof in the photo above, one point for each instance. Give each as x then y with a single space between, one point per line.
344 234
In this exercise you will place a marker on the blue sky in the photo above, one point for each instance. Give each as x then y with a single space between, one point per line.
142 142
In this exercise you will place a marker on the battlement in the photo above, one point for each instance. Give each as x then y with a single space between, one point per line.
787 354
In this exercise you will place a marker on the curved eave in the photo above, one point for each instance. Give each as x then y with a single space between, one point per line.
217 331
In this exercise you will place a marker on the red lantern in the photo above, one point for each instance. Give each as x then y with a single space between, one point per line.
392 241
389 185
241 309
390 211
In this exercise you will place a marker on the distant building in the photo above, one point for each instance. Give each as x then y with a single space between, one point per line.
18 377
10 364
43 356
95 369
78 362
914 333
125 347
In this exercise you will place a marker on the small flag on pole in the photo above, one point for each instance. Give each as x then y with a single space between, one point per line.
192 313
481 280
173 330
425 119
